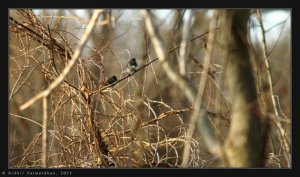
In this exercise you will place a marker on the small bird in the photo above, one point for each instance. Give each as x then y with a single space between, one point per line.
131 66
111 80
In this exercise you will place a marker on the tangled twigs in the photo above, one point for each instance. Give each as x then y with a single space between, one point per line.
71 63
40 38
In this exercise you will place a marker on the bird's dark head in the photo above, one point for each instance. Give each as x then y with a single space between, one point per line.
114 77
133 59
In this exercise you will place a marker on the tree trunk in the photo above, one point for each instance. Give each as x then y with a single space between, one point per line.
246 139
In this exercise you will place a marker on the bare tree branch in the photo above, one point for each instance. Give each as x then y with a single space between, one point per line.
45 133
184 45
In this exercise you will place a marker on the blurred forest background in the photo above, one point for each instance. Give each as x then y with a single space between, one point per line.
143 120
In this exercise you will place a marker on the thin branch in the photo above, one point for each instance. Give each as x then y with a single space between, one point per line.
184 46
44 137
22 117
269 76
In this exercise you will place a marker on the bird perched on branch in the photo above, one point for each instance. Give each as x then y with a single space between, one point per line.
112 80
131 66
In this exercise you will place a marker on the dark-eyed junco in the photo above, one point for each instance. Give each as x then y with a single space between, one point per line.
111 80
131 66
